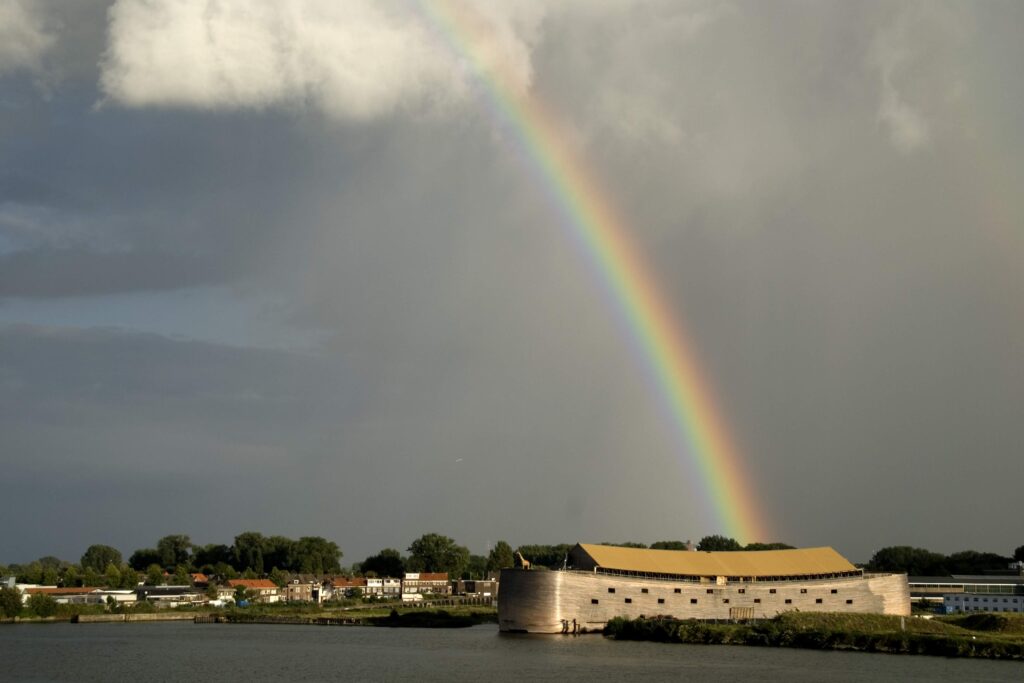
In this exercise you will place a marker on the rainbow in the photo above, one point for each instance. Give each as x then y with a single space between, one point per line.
603 236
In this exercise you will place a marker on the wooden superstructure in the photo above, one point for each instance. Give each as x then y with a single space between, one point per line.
603 582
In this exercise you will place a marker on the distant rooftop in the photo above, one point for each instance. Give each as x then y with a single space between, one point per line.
957 579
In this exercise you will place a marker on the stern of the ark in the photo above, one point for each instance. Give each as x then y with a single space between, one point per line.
530 601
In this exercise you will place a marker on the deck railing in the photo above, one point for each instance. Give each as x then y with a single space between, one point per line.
685 578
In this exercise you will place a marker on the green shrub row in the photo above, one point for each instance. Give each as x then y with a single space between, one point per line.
803 632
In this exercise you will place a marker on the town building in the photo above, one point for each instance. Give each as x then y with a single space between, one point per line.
384 588
264 590
62 596
302 589
170 596
948 594
342 587
425 583
955 603
475 588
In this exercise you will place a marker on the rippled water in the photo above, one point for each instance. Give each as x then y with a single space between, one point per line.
186 651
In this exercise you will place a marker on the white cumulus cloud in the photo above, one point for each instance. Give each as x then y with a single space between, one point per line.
353 60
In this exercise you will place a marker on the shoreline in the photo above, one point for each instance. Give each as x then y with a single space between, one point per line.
370 617
996 637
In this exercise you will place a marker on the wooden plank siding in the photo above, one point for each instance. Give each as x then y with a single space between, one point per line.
537 601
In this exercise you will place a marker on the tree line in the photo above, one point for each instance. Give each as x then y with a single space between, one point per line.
175 557
251 555
921 562
437 553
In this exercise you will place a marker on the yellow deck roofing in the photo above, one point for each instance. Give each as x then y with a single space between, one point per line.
760 563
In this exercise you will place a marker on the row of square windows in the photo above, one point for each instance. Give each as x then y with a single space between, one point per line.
711 591
725 601
958 599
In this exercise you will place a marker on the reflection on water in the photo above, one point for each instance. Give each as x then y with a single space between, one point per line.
179 651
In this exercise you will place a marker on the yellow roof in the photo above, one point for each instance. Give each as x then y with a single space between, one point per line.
753 563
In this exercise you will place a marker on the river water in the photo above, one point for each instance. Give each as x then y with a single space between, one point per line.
170 651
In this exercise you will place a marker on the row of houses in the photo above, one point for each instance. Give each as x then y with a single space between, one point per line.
413 586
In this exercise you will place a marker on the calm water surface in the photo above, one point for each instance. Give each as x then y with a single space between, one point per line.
171 651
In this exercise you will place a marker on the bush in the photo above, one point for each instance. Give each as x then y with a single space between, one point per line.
72 610
10 602
42 605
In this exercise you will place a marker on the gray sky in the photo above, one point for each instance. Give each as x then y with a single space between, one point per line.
276 267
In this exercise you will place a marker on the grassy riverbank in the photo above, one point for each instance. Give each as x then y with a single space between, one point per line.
366 614
997 636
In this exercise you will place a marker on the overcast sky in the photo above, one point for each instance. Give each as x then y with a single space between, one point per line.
276 267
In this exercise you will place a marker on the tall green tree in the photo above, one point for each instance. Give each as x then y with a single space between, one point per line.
768 546
31 573
1018 554
388 562
98 556
280 552
92 578
718 543
476 568
437 553
72 577
279 577
211 554
500 557
181 576
973 562
908 560
55 563
316 555
174 549
224 571
669 545
155 575
248 549
143 557
129 577
112 575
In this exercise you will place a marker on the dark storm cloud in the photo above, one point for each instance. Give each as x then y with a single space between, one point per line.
157 433
827 193
41 273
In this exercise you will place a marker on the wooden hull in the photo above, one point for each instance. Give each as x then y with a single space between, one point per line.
540 601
